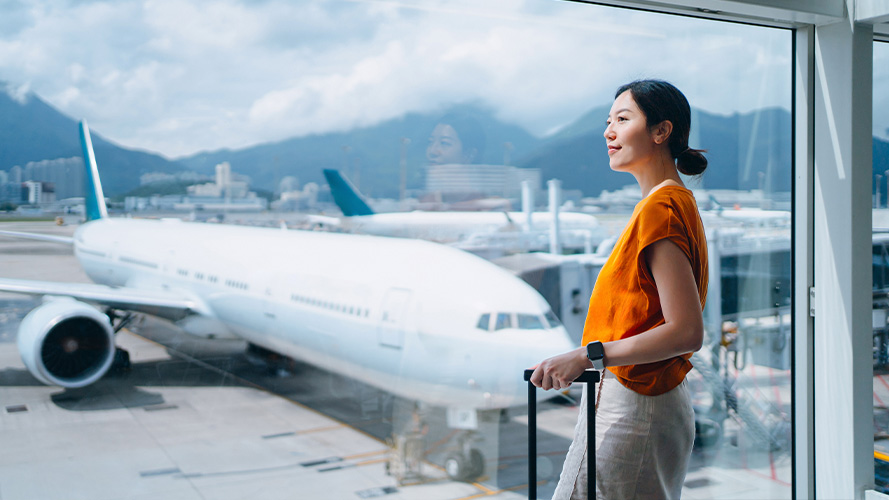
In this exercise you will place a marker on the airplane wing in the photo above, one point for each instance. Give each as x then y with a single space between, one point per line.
163 303
67 240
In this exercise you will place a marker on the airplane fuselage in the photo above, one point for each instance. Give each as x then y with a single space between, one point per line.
402 315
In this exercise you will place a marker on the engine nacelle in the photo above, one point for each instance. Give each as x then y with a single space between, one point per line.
67 343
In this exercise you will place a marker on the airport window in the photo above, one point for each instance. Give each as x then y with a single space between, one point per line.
362 87
504 320
880 309
484 321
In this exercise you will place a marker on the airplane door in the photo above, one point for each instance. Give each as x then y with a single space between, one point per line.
390 331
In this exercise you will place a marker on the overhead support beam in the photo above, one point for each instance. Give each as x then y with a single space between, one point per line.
843 339
871 11
783 13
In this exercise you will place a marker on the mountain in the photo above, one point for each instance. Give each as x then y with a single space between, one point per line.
32 130
745 151
371 156
739 147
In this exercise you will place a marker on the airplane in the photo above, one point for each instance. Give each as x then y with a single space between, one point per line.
451 227
417 319
744 215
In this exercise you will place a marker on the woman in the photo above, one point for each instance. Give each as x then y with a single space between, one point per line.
645 316
456 139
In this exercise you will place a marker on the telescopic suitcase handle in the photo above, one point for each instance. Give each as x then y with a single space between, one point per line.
589 377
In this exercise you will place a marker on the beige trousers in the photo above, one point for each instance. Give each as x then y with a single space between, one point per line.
643 445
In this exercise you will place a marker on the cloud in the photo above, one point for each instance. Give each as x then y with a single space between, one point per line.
177 77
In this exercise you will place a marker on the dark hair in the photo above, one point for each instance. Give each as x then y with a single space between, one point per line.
659 101
470 132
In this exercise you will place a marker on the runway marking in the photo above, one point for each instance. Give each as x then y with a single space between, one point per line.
159 472
278 435
163 406
322 461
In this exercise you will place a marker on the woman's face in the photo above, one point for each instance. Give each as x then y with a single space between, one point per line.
630 141
444 146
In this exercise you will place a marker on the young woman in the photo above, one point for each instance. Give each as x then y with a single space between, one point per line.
458 139
645 316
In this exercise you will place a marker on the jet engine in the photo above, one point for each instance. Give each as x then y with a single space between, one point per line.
67 343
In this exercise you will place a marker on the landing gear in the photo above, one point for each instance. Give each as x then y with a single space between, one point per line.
460 467
276 365
465 463
121 362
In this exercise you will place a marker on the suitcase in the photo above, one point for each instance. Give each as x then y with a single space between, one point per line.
589 377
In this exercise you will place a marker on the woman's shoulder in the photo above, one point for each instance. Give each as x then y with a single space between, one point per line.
669 198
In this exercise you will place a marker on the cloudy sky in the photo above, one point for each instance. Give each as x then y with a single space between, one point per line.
178 77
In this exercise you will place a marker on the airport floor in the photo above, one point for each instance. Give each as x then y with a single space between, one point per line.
205 420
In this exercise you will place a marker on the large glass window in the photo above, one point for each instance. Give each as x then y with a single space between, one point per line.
357 369
881 265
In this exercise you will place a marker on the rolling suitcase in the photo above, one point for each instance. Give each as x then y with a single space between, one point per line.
589 377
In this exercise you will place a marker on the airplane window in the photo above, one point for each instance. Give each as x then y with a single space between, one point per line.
552 319
504 320
484 322
530 322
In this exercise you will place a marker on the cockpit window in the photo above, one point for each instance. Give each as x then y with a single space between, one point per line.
530 322
504 320
484 322
552 319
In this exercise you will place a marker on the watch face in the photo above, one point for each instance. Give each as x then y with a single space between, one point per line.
595 350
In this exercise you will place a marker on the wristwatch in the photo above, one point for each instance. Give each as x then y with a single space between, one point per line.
596 352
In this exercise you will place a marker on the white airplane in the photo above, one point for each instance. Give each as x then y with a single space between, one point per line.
417 319
448 226
744 215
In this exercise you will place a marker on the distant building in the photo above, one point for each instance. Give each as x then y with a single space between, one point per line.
163 177
228 192
11 192
291 201
459 182
38 193
65 175
227 185
15 174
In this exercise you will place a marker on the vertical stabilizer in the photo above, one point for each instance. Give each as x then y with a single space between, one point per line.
95 199
345 195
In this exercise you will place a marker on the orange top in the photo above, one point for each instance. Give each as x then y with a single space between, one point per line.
625 300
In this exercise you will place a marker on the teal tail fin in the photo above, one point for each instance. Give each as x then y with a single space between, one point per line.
345 195
95 199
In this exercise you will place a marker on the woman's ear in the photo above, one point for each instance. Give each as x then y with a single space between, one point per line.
661 132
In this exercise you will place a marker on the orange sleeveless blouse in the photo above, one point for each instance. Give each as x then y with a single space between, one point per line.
625 300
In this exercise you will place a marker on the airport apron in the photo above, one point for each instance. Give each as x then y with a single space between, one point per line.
643 445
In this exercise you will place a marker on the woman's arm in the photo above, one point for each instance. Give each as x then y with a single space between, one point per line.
681 333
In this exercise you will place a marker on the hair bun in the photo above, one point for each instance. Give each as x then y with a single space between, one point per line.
691 161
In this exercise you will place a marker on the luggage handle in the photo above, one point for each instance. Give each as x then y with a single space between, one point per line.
589 377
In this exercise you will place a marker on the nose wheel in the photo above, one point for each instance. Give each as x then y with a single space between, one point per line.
465 466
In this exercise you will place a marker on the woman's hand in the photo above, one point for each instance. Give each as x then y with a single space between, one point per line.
559 371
